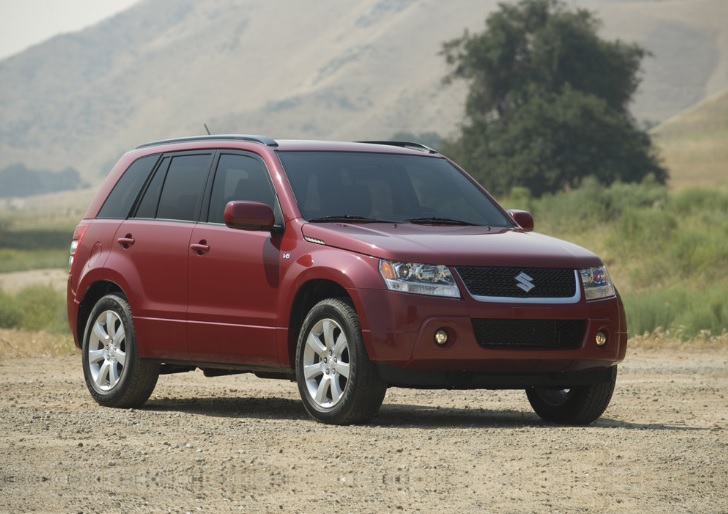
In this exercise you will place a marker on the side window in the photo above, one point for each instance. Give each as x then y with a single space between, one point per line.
239 177
148 205
183 187
121 199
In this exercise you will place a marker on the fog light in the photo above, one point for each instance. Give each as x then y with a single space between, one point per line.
601 338
441 337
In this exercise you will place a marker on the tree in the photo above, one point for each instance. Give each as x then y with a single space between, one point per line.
548 102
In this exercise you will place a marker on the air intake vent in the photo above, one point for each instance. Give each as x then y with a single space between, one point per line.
528 333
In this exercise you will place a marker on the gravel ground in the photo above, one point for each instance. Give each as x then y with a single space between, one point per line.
242 444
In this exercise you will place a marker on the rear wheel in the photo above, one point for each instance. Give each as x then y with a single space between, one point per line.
337 381
115 374
576 406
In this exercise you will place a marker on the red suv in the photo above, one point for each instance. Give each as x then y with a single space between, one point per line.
346 267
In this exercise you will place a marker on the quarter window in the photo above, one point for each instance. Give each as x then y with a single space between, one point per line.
121 199
148 205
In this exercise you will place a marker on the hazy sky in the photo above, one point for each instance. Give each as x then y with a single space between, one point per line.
24 23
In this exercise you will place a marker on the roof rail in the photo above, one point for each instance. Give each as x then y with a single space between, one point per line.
264 140
403 144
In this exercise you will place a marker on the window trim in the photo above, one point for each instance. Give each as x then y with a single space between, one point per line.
207 201
158 169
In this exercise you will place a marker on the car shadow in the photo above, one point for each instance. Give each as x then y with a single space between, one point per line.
418 416
232 407
390 415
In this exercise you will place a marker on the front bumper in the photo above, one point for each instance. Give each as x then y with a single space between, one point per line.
398 331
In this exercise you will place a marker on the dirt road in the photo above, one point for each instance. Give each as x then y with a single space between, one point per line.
242 444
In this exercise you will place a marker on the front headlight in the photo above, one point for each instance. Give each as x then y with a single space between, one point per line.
597 283
411 277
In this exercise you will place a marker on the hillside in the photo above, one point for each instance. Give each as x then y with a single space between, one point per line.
694 144
310 68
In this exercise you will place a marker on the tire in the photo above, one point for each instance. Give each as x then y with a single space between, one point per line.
338 383
115 374
576 406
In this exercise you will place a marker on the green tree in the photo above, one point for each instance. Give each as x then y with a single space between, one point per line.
548 102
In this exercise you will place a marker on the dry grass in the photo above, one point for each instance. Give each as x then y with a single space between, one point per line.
21 343
694 145
663 339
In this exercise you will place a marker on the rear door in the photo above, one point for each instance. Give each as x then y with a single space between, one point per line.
151 253
233 274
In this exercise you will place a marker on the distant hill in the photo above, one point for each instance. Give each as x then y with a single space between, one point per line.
694 144
341 69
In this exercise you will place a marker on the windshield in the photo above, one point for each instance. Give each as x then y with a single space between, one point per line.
372 187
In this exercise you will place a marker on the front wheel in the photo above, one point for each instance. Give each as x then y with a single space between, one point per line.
576 406
115 374
337 381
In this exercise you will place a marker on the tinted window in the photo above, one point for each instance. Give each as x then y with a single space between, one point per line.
183 187
148 205
239 177
388 187
120 200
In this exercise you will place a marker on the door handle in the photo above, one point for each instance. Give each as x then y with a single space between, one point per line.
200 248
126 241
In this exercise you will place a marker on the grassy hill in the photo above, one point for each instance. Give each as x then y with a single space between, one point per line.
694 144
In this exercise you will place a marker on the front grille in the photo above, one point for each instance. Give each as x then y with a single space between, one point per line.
528 333
502 282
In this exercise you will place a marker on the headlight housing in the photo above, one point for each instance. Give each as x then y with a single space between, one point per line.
412 277
597 283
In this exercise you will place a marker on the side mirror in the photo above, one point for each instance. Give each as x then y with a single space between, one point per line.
523 218
249 216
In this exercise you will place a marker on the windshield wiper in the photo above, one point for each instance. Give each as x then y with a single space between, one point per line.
347 218
434 220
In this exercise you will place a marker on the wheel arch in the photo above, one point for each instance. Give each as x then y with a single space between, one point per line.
94 293
308 295
337 274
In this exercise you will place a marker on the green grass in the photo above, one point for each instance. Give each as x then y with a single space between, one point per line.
26 246
685 312
35 308
24 260
667 251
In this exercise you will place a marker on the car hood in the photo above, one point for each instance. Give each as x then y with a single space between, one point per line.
452 245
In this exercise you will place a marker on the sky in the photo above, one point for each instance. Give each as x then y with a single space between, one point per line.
24 23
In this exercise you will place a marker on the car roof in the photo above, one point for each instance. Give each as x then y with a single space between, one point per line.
405 147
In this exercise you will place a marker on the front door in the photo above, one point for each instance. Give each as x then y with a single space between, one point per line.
233 274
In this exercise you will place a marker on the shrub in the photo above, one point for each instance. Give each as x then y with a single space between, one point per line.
683 311
10 316
34 308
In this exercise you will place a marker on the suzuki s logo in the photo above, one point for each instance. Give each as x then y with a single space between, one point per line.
524 282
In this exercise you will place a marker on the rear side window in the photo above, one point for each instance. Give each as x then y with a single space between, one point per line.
148 205
120 200
182 182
